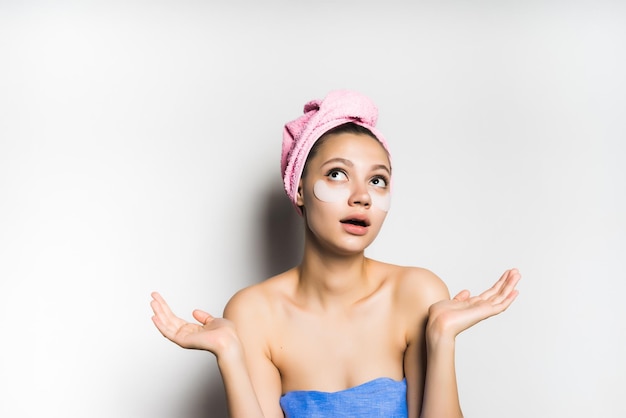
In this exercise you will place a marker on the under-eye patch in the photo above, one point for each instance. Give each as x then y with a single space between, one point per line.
381 201
341 193
331 194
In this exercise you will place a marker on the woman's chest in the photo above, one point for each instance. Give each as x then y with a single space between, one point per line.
337 351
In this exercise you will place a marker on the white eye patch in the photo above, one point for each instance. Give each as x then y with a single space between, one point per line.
329 194
381 201
341 193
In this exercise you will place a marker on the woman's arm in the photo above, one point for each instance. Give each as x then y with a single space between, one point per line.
220 337
441 397
447 319
249 312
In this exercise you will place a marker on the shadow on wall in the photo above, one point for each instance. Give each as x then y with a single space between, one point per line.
280 237
277 247
208 401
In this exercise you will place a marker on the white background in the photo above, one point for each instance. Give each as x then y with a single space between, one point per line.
139 151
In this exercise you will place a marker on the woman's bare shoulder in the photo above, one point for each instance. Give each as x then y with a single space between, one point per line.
415 283
257 299
423 279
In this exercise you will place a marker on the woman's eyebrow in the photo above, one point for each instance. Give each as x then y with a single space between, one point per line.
381 167
339 160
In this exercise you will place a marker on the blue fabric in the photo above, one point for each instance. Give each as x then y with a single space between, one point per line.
382 397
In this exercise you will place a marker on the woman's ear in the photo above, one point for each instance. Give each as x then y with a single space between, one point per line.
299 195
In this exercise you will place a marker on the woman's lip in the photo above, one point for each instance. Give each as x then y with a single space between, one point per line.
354 229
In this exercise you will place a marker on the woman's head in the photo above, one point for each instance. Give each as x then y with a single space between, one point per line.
345 191
340 111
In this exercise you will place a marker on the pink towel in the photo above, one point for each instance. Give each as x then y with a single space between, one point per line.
320 116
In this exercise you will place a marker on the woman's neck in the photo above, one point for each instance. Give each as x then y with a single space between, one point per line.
331 279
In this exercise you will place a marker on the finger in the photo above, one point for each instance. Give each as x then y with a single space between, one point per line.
163 309
162 327
508 288
162 322
497 285
502 306
462 296
157 297
202 317
166 318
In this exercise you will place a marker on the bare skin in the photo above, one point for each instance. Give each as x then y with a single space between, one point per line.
340 319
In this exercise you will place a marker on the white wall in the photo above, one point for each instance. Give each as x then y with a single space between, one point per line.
139 147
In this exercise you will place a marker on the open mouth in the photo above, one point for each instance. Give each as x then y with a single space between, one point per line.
358 222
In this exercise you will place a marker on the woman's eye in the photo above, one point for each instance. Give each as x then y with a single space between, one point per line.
337 175
379 182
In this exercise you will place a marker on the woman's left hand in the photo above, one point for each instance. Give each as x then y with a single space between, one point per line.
448 318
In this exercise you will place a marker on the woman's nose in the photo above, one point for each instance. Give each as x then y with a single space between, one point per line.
360 196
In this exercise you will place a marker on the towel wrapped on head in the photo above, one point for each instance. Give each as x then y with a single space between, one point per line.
320 116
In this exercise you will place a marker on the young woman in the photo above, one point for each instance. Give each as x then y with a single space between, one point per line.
339 335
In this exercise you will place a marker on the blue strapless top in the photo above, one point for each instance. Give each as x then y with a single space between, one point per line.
382 397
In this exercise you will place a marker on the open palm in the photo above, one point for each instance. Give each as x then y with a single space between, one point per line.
211 334
455 315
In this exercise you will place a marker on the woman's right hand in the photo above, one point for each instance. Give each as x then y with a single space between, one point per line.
217 335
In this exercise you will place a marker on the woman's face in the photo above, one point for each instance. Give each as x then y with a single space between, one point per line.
345 192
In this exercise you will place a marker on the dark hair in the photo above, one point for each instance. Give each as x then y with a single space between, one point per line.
346 128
